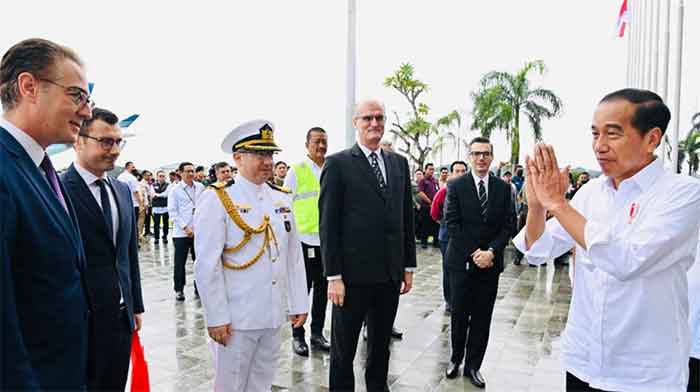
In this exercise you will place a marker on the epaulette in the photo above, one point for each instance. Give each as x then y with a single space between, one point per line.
222 184
279 188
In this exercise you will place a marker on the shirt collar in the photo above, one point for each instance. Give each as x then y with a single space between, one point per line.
644 178
477 178
88 177
33 149
311 162
249 184
367 151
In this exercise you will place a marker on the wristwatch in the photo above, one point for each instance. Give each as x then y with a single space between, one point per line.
492 251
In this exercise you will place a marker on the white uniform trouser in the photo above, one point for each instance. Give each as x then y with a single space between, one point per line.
248 362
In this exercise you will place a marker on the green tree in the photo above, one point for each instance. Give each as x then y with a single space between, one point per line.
503 97
416 132
689 148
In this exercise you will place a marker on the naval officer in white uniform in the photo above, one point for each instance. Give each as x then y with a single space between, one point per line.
250 268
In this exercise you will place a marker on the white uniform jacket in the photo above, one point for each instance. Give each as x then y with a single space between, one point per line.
265 293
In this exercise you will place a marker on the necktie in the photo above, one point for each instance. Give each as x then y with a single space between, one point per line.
377 171
106 208
51 175
483 200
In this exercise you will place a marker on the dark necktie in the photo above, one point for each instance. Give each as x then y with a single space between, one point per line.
377 171
53 180
483 200
106 208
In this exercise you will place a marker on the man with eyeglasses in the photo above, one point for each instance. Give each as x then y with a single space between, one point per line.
44 320
367 247
182 203
108 231
480 218
250 267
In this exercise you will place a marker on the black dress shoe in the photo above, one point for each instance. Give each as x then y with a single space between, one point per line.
396 334
319 342
452 370
180 296
476 378
299 346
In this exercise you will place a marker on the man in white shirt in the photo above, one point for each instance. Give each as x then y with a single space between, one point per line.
303 180
130 180
635 230
182 202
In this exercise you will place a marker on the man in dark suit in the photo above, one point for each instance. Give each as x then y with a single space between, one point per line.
44 320
367 247
107 225
480 220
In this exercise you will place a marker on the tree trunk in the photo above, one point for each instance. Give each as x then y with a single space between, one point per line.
515 142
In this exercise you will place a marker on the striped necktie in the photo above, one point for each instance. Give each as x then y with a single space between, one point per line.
483 200
377 171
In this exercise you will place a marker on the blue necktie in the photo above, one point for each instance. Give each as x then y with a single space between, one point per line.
377 171
483 200
106 208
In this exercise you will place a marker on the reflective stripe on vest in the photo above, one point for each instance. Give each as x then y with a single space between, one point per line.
306 199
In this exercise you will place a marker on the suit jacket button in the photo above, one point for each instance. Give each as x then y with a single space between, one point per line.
274 282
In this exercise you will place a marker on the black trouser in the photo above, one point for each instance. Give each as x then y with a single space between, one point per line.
109 350
472 307
378 303
574 384
694 380
445 277
183 245
156 225
147 221
315 279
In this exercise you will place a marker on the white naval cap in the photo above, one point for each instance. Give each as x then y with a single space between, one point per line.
252 135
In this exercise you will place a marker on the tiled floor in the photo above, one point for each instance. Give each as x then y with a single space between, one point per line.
523 351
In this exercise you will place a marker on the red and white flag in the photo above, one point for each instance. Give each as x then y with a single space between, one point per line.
622 19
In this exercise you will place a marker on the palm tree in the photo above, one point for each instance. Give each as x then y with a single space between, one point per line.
501 99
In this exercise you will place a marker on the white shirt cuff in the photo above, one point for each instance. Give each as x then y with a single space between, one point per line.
410 269
335 277
538 253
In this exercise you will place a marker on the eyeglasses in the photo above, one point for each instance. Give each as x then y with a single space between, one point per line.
379 118
107 143
79 96
482 154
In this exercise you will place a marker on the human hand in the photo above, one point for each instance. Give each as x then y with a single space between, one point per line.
138 321
407 282
483 258
547 181
298 319
336 292
189 232
221 334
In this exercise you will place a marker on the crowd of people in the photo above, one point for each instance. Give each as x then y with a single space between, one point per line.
347 225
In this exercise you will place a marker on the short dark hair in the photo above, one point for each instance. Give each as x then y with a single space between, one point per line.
314 129
443 168
507 173
584 172
183 164
280 163
650 110
99 114
221 165
418 170
452 165
146 172
481 139
127 164
428 164
199 169
36 56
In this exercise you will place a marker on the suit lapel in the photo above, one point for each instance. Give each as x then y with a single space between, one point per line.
85 197
492 196
123 211
363 163
36 177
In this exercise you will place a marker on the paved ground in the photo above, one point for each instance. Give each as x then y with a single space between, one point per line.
523 351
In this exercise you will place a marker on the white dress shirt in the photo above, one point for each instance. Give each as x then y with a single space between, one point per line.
133 185
380 159
694 297
476 183
90 180
182 202
290 182
627 327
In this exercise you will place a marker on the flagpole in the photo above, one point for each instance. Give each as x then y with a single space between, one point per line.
679 69
351 74
655 64
630 33
637 47
667 50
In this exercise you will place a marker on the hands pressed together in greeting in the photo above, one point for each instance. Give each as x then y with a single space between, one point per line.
546 184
